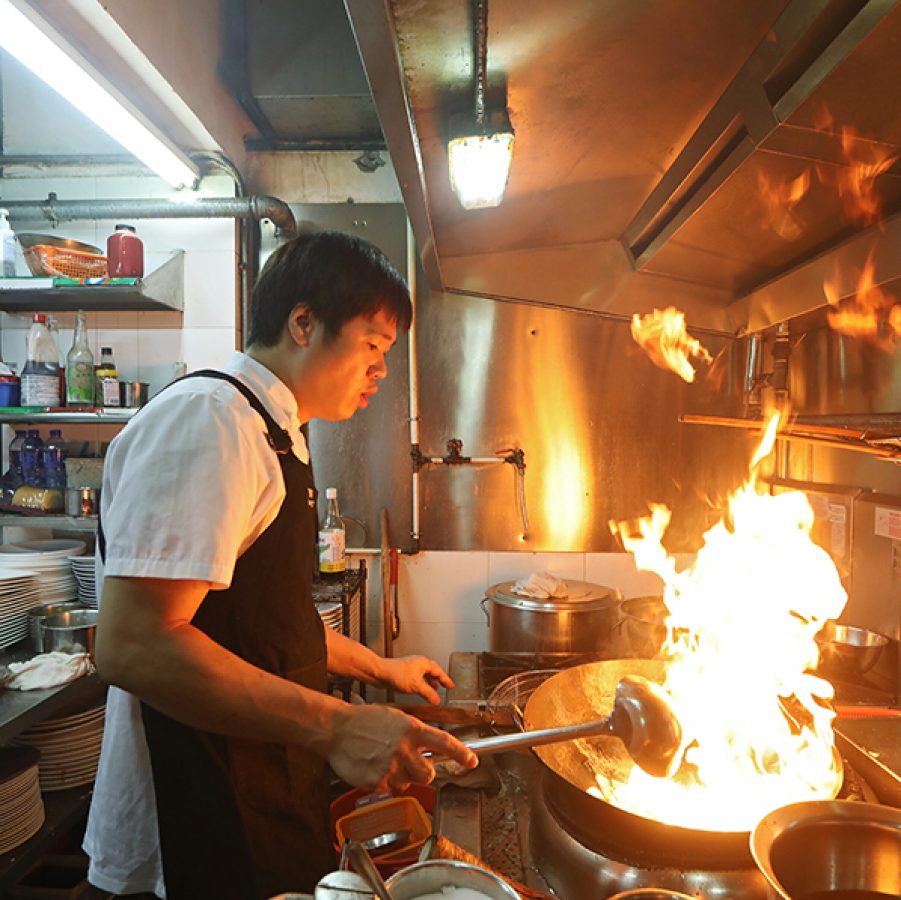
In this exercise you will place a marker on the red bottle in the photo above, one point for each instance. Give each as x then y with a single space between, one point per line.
125 253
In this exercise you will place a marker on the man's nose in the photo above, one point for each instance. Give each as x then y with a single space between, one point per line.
379 369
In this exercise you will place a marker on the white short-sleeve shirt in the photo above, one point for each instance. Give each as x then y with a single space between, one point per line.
188 486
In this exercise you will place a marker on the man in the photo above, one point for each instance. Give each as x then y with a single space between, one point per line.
212 779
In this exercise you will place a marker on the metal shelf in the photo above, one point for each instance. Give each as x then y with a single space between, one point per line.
57 523
68 417
161 290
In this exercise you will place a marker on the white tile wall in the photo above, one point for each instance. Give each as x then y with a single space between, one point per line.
147 346
439 592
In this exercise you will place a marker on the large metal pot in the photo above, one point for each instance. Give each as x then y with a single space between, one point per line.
580 622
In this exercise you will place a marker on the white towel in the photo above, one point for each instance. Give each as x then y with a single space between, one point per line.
541 585
48 670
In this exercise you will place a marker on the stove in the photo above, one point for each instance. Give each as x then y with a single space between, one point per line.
517 827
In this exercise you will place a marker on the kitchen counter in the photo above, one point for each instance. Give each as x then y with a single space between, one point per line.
873 747
22 709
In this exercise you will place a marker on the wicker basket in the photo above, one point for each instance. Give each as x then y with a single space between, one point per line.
43 259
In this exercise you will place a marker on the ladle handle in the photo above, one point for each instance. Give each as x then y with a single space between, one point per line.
538 737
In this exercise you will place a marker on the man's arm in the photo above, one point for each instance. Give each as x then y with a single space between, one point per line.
408 674
147 646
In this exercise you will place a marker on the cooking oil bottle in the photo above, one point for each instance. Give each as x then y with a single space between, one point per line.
332 560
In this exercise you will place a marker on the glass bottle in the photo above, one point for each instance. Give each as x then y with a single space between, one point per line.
80 367
40 376
106 383
332 562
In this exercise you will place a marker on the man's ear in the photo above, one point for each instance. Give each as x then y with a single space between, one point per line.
300 324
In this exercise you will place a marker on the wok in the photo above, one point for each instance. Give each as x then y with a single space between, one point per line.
585 692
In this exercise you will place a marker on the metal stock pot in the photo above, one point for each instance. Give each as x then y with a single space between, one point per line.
580 622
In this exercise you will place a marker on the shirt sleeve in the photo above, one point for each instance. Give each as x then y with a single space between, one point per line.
187 485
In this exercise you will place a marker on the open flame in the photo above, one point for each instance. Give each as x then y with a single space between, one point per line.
740 638
871 312
662 335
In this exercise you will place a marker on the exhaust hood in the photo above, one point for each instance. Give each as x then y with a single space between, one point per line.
648 139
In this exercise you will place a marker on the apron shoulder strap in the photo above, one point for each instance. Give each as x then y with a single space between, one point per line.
278 437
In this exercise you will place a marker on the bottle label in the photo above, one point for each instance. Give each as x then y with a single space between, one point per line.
110 391
80 384
331 552
40 390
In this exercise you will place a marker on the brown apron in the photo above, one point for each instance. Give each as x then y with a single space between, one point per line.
240 818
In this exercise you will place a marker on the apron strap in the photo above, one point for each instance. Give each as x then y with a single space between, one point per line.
278 437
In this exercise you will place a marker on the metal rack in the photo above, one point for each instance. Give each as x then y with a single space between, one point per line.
351 594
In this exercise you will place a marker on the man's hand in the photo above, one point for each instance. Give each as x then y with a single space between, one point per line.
376 747
414 675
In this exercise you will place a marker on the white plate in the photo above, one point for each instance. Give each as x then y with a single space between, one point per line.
53 546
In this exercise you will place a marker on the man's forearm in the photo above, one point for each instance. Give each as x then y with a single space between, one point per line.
352 659
178 670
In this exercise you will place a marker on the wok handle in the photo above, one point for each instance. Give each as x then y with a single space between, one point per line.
518 740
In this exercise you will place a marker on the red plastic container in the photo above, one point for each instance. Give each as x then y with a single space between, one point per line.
125 253
394 862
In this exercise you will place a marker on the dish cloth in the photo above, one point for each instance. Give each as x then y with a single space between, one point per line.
47 670
541 585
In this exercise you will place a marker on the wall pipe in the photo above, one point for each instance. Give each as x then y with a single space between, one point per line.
413 377
55 210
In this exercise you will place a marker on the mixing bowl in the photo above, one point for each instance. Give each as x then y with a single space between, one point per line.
848 650
825 848
71 631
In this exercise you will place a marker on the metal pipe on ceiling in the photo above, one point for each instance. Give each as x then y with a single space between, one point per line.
256 207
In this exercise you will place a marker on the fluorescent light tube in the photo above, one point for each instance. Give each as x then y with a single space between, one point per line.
60 66
479 167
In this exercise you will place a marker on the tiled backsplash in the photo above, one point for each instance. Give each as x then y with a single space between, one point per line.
440 592
147 346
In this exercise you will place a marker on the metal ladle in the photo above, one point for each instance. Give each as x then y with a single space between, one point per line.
642 718
359 858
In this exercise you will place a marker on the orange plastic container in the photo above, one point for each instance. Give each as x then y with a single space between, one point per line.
396 814
43 259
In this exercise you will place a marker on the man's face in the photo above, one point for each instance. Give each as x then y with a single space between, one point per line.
349 366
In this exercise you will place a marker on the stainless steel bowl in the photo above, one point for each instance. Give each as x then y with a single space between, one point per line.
38 614
848 650
811 849
71 631
30 239
431 876
641 628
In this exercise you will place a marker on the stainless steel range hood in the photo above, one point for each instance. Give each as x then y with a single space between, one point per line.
644 132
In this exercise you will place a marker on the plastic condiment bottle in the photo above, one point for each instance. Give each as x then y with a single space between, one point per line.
106 379
80 367
40 376
125 253
332 561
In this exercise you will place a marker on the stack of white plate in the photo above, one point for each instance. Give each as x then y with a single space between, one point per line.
50 559
331 613
69 748
21 806
19 591
83 570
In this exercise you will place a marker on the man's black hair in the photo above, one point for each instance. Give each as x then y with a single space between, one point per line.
338 276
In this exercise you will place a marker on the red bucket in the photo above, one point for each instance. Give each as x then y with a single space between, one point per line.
399 859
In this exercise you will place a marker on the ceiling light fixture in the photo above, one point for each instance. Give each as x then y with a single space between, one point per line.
480 151
48 55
